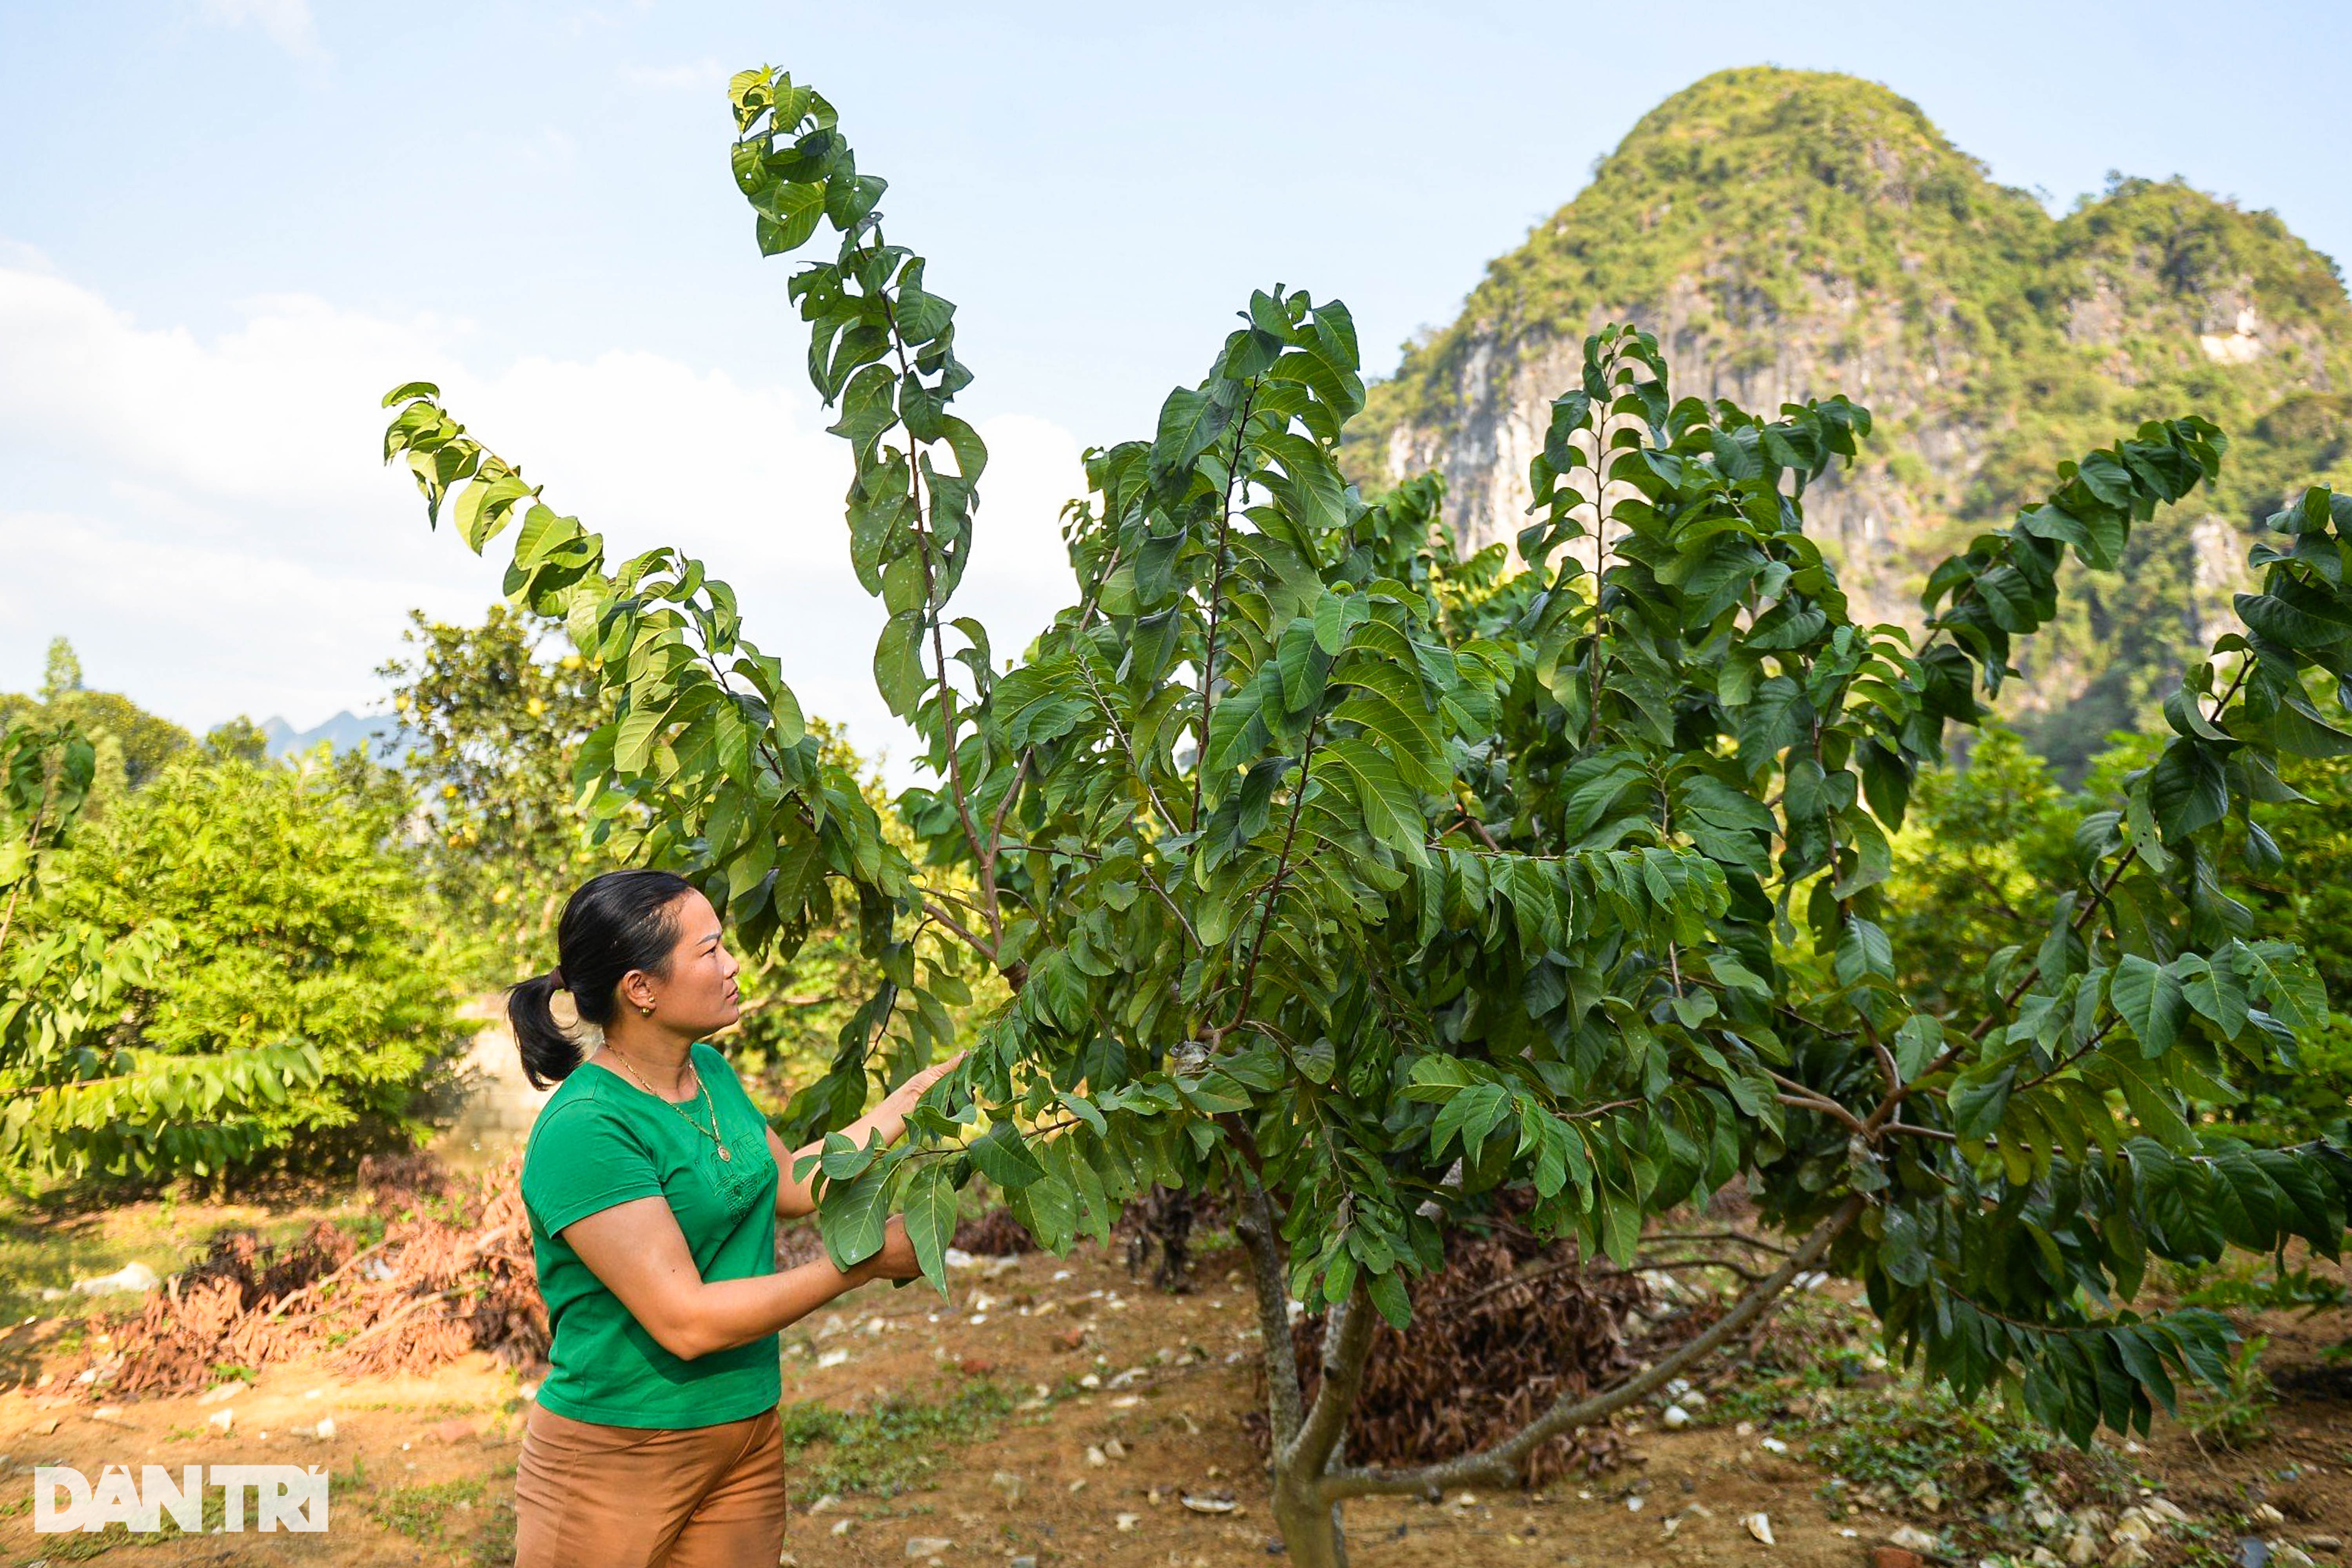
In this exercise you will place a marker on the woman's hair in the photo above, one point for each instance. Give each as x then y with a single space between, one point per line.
615 922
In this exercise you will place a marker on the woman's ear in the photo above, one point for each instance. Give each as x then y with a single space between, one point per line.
637 991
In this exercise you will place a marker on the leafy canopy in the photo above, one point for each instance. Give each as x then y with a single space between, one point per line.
233 960
1369 882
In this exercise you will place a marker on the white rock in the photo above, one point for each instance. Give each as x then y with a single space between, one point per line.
1130 1520
1759 1526
2263 1513
1911 1538
223 1419
1677 1417
926 1545
1095 1457
832 1359
132 1277
1633 1505
1773 1445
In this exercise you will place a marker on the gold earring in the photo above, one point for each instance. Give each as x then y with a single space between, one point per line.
646 1008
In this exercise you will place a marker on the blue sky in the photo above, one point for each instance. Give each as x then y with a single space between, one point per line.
225 224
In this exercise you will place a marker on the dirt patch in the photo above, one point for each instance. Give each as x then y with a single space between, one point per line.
1072 1409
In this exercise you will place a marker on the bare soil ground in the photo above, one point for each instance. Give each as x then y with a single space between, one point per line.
1062 1411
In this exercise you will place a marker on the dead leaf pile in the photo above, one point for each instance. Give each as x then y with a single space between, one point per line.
452 1273
1507 1328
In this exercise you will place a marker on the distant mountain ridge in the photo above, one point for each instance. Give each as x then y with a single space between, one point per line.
1793 234
345 732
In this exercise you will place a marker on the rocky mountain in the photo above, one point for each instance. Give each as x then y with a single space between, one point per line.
345 732
1793 234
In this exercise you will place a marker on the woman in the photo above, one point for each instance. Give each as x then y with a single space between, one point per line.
654 1186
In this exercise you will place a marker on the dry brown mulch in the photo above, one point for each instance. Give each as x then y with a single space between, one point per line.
452 1273
1507 1328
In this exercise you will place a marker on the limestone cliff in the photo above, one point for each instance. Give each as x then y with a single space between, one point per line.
1793 234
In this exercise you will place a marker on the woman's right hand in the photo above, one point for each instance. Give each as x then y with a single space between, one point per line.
897 1259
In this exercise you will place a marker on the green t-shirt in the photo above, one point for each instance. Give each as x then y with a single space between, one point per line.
601 1141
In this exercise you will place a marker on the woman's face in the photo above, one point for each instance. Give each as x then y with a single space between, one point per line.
699 995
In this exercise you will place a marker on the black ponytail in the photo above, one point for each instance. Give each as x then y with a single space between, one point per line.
616 922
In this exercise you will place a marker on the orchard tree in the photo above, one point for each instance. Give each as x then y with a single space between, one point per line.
492 719
1367 886
79 1091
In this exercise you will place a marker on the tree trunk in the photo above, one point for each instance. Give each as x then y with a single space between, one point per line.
1310 1526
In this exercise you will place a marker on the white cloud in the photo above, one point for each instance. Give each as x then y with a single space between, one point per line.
286 23
210 520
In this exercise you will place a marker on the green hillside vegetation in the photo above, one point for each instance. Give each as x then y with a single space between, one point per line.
1808 209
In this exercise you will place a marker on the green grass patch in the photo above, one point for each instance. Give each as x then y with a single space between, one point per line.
423 1511
888 1447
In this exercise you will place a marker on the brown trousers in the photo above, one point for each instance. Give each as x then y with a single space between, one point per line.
591 1496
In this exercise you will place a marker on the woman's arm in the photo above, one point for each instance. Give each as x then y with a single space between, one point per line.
793 1197
637 1251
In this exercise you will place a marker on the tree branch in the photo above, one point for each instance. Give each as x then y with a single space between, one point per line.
955 925
1346 1341
1809 1100
1257 1233
1281 870
1216 602
931 608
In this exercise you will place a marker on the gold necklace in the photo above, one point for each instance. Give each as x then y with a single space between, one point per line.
710 1132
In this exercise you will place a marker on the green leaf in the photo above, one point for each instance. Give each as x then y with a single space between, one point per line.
1052 1211
2149 998
853 1216
1919 1040
1900 1249
2215 991
2188 791
2289 986
931 1216
899 662
1004 1157
1387 1294
1978 1103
